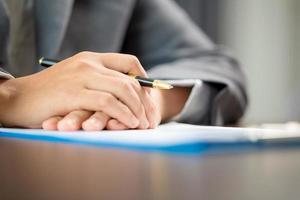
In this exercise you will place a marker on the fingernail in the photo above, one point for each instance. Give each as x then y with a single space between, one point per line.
93 124
70 122
67 124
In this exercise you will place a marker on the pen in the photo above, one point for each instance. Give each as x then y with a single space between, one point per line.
146 82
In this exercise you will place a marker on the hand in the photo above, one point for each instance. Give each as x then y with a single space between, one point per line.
92 121
167 105
86 81
85 120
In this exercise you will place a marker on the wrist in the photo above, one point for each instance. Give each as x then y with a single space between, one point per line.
171 102
7 95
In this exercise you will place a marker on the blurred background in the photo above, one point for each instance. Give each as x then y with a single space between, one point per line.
264 36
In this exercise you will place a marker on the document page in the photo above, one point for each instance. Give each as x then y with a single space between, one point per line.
167 135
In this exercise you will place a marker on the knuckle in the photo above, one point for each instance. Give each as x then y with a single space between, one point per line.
83 54
125 85
133 61
106 100
135 84
81 65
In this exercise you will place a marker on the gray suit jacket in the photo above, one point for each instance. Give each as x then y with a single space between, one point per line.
158 32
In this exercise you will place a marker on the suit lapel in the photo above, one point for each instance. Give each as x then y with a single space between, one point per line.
52 18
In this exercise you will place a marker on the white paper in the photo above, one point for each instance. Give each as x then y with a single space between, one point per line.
167 135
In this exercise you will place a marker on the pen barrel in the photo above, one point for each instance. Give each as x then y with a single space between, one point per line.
146 82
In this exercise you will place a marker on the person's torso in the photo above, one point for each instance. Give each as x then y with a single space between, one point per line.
62 30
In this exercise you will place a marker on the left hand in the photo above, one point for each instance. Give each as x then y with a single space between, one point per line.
96 121
166 105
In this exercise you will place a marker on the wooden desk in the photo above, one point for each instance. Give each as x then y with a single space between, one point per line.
41 170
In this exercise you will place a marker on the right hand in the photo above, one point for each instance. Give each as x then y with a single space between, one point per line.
87 81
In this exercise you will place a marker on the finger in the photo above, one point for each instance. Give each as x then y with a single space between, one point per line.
114 124
107 103
143 94
111 63
51 124
96 122
144 97
154 108
124 63
149 106
110 72
123 89
73 120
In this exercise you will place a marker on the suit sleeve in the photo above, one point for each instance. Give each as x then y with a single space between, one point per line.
170 46
4 74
